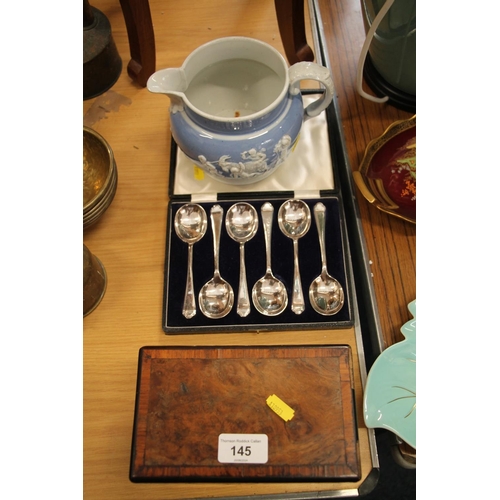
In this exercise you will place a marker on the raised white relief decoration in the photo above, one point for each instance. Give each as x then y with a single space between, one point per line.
176 107
282 148
254 162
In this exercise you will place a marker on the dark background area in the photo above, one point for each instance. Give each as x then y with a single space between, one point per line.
395 482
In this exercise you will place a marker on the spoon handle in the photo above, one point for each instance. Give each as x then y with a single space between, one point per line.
243 308
319 217
298 303
189 307
267 211
216 217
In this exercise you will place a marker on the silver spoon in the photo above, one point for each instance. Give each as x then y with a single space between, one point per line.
269 294
294 219
242 222
216 297
325 293
190 224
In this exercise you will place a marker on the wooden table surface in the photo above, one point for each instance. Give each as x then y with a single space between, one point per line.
130 238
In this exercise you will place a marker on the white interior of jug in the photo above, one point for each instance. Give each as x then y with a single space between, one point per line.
235 77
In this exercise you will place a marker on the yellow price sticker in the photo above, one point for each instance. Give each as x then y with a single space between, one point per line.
199 175
280 407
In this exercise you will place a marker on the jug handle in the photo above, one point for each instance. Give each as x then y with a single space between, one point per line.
312 71
364 51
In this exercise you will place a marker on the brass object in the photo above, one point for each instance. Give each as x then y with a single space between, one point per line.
101 63
100 176
94 281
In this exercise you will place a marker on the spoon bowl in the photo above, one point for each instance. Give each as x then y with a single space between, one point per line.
294 220
269 295
190 223
325 293
216 297
242 223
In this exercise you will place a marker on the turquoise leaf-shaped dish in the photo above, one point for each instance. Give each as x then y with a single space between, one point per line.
390 399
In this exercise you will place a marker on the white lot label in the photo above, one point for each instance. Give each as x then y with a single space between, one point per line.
242 448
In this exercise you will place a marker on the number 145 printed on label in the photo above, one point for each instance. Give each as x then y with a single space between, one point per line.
243 448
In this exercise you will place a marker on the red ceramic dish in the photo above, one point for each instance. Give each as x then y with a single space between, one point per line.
387 176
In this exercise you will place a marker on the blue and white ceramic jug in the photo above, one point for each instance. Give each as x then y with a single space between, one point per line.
235 106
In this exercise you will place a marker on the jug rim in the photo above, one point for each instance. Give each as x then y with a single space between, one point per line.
253 116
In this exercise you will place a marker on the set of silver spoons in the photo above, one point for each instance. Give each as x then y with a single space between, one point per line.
269 294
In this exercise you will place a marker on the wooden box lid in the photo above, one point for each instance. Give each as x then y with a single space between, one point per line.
187 398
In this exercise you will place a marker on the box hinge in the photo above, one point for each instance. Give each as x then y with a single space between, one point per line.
204 197
304 195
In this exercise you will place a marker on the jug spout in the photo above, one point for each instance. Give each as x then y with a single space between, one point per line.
170 81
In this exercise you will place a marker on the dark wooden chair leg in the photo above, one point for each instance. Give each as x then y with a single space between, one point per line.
141 38
290 15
